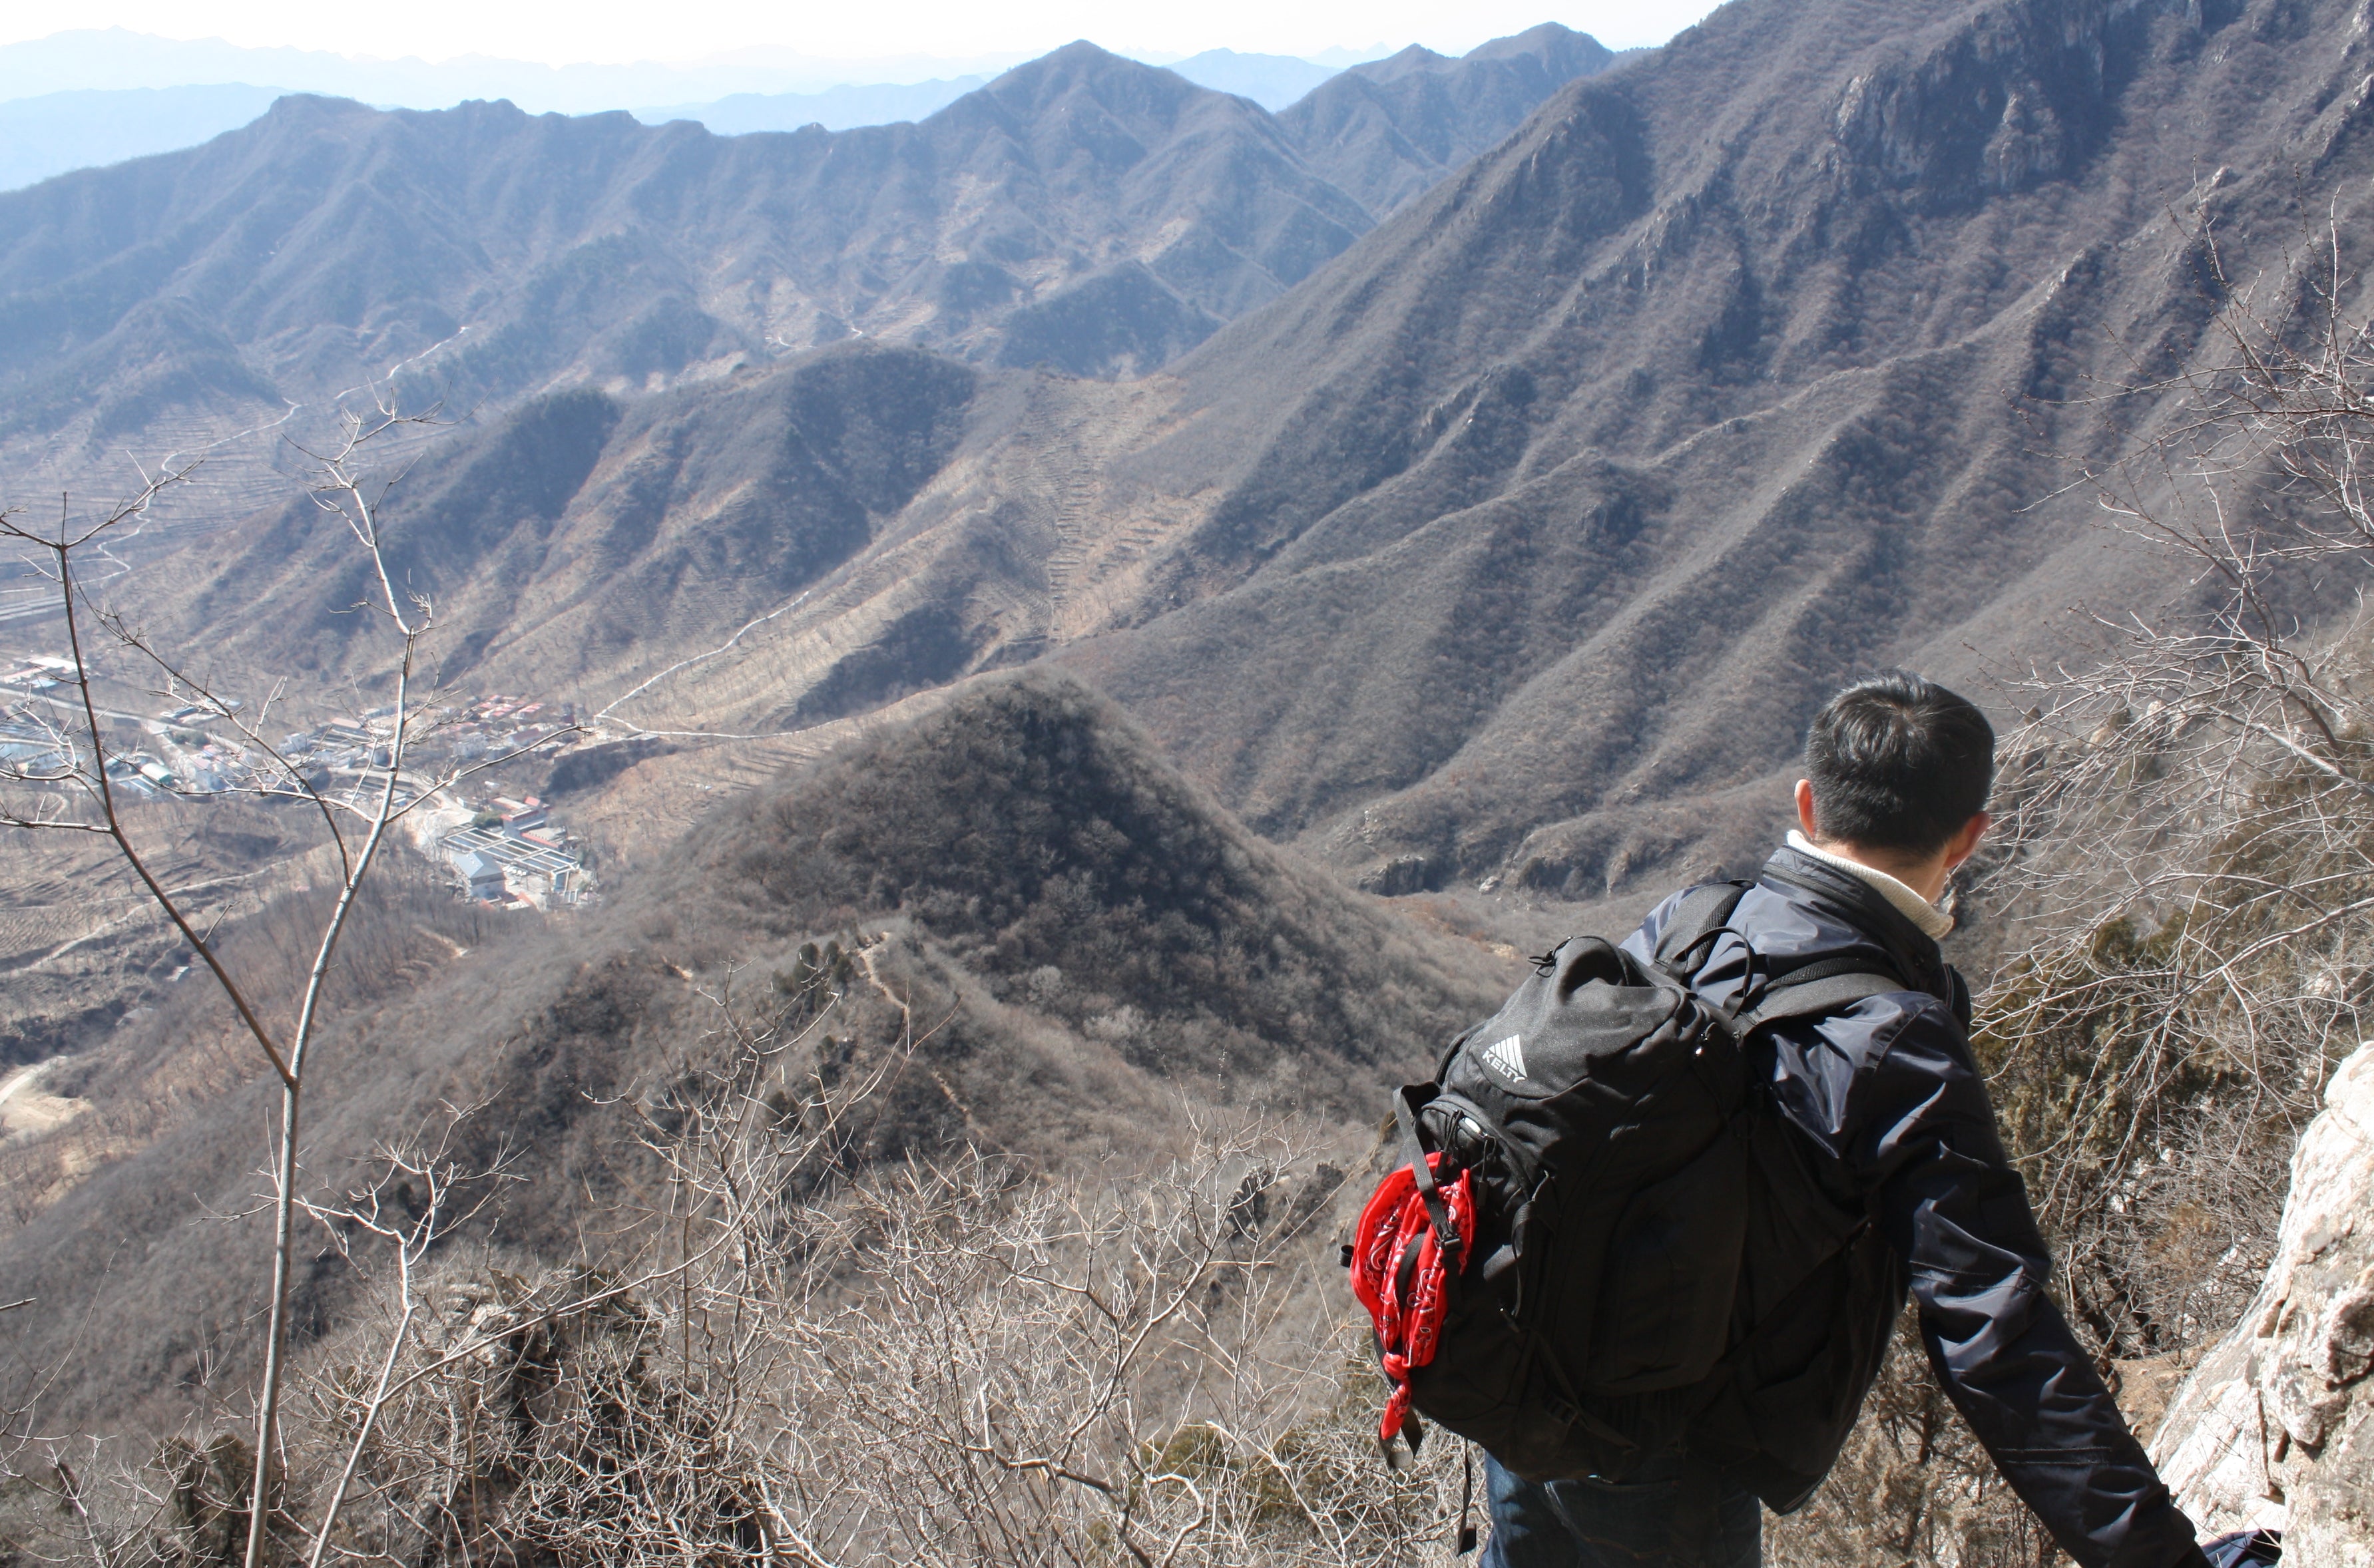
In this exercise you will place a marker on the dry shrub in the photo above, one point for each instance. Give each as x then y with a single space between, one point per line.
968 1362
783 1359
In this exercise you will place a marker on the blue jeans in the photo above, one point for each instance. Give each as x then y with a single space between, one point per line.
1671 1515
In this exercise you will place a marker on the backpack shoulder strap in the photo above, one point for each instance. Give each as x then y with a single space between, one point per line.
1828 986
1704 911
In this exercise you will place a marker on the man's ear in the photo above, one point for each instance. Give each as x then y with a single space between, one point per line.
1965 844
1806 809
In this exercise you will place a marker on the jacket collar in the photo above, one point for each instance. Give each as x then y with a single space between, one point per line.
1934 923
1860 904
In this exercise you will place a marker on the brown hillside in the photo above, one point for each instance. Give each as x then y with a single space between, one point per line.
1089 949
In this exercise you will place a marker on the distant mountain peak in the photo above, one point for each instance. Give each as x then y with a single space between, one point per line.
1542 35
1079 56
1079 51
313 107
1274 81
1388 130
1035 83
1417 57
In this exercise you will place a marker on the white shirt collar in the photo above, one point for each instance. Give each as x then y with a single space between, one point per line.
1934 923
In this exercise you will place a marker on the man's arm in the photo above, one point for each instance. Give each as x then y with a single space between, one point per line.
1953 1206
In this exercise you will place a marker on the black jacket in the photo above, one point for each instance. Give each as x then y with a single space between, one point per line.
1901 1158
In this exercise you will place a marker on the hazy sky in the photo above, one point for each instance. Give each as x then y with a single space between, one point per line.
569 31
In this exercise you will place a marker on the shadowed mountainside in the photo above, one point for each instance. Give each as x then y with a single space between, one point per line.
1086 941
581 528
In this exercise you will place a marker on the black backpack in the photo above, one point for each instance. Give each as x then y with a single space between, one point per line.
1604 1121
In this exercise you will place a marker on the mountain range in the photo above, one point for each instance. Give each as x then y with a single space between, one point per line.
49 132
1473 515
1514 543
175 302
1274 81
1083 212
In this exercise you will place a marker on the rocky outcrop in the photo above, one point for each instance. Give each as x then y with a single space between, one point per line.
2276 1428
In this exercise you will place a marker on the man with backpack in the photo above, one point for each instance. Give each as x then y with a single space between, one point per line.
1664 1207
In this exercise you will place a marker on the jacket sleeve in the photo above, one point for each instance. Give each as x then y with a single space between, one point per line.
1923 1141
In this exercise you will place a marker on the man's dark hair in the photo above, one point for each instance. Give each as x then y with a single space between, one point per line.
1899 762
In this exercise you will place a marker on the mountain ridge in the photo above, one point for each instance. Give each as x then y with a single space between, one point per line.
1387 130
1114 212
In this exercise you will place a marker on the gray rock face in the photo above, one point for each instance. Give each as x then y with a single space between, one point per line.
2276 1428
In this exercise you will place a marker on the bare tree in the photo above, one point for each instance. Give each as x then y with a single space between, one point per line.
77 786
781 1354
2195 822
420 1194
